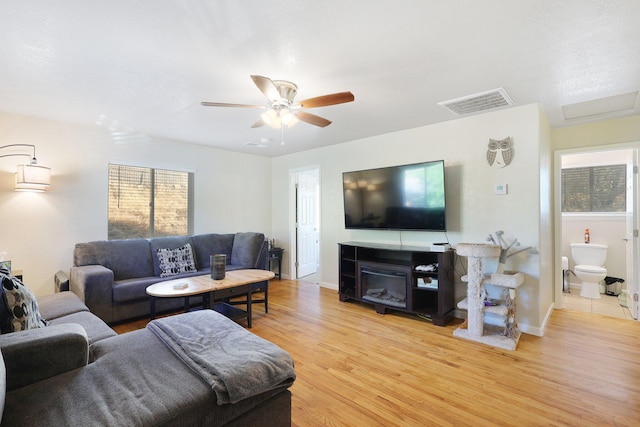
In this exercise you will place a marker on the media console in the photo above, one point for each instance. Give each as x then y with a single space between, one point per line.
394 277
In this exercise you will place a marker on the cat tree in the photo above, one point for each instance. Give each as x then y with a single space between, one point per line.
474 328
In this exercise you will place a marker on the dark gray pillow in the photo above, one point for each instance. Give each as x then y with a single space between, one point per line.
246 249
205 245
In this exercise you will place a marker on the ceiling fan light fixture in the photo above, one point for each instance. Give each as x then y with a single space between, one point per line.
287 117
270 117
279 116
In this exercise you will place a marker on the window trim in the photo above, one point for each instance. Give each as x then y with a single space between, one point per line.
152 169
592 187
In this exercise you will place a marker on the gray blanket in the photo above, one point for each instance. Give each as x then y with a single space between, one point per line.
234 362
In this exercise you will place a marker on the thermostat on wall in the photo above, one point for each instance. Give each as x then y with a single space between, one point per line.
500 189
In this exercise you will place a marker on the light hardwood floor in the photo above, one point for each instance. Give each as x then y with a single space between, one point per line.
358 368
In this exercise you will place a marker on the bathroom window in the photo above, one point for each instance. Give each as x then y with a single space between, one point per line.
595 189
146 202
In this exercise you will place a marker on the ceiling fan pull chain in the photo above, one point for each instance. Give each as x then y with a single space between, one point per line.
282 130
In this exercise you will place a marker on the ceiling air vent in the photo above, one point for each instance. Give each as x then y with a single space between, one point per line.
264 143
489 100
256 144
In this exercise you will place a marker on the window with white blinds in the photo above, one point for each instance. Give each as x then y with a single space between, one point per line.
146 202
595 189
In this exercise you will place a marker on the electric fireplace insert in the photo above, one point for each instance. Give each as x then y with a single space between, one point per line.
384 284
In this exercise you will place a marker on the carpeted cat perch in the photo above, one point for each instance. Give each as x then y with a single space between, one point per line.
474 328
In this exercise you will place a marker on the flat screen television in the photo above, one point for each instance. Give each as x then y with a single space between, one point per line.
406 197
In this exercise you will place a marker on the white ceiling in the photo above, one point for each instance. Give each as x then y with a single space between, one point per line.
143 67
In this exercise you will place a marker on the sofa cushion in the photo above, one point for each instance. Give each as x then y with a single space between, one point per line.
177 261
125 291
132 289
172 242
126 258
61 304
21 303
246 249
205 245
95 328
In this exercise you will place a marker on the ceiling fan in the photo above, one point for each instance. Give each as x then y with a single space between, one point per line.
281 109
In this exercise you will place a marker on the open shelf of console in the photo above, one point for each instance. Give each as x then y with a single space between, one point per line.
393 277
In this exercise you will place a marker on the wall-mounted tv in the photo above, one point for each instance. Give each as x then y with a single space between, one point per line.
407 197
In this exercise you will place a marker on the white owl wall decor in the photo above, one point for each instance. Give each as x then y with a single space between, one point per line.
500 152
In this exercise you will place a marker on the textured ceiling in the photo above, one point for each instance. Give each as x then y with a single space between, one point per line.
143 67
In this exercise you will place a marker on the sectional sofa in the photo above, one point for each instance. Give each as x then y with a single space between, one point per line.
111 277
74 370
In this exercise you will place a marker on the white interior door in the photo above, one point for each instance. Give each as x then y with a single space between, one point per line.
633 264
307 223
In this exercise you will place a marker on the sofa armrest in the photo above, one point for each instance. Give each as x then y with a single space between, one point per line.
37 354
94 285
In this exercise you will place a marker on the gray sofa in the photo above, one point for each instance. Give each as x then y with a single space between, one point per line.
78 372
111 277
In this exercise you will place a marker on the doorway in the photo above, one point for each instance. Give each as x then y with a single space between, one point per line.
305 223
616 230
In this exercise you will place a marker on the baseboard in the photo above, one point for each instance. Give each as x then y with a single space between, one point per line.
538 331
328 285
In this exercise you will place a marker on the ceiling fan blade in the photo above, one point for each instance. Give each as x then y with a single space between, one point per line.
266 86
258 124
313 119
223 104
322 101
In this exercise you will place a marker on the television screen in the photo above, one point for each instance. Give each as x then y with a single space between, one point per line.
407 197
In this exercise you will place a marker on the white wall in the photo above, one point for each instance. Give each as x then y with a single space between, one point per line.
546 285
473 211
39 230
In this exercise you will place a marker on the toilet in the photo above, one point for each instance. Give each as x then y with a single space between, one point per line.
589 262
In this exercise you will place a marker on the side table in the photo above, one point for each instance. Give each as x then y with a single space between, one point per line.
276 254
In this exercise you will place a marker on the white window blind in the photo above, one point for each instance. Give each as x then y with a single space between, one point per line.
594 189
146 202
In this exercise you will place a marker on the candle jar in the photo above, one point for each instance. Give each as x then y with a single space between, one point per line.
218 263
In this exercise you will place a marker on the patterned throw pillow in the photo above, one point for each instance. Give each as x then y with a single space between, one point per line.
176 261
21 303
5 315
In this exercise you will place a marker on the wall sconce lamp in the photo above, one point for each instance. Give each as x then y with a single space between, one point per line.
31 177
